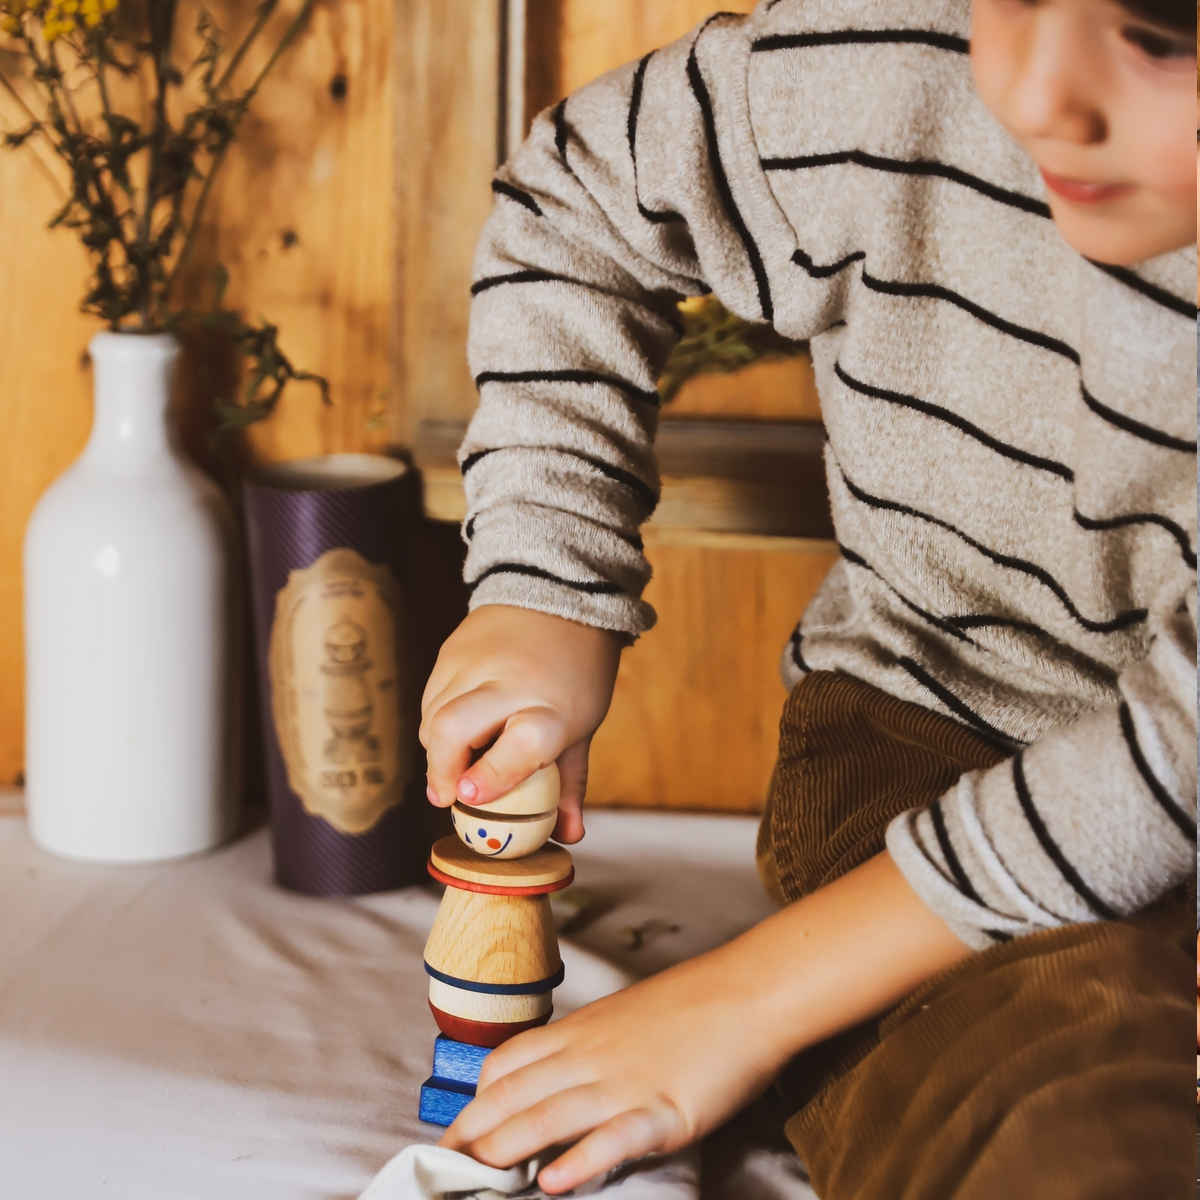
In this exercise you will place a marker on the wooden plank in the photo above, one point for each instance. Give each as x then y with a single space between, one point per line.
448 97
695 715
734 477
571 42
46 414
304 218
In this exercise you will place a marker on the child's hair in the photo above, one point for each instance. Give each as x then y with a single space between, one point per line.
1174 14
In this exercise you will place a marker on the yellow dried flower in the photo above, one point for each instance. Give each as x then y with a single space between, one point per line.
57 17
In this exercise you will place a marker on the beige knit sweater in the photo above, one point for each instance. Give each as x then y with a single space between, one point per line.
1011 428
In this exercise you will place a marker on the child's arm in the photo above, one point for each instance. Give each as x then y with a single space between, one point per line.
611 211
660 1064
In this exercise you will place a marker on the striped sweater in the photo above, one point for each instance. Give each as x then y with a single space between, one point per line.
1011 431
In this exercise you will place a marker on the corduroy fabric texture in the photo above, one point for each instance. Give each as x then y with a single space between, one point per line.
1054 1065
843 739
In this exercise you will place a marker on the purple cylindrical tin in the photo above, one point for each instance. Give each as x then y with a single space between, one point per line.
327 539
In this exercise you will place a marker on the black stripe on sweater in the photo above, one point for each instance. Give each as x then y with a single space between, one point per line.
703 100
569 376
950 854
635 108
794 649
646 494
904 166
1092 524
1185 308
515 193
955 705
945 626
824 272
591 587
1034 338
1180 819
858 37
955 625
1139 430
561 134
669 317
630 539
1097 524
935 291
491 281
1051 847
1121 621
959 423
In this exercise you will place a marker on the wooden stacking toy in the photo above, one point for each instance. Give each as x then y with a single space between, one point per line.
492 955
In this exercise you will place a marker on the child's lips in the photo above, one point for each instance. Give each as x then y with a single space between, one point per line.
1080 191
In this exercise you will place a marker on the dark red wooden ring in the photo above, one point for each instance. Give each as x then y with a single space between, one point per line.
482 1033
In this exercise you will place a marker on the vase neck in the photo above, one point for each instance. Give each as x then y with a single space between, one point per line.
134 374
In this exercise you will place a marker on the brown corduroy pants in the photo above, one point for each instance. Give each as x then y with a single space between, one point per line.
1053 1067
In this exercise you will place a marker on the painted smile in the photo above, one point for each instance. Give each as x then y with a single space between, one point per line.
501 849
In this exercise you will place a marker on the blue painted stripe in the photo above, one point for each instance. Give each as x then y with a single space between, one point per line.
536 988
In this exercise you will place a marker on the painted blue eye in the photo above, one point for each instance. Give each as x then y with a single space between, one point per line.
482 832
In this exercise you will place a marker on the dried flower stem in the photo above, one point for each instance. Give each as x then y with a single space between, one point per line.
205 191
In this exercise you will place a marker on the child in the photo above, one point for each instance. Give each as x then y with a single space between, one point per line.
982 816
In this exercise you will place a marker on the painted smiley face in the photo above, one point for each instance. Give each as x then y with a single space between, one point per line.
502 836
494 845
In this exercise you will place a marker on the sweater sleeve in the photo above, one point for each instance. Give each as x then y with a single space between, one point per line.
1093 821
618 204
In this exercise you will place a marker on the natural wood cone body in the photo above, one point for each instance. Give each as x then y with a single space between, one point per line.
493 939
492 955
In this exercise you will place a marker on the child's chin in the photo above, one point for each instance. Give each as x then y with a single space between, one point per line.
1119 243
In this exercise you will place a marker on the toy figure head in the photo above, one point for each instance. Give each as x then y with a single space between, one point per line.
517 824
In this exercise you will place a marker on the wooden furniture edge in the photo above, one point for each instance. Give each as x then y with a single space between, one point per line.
748 483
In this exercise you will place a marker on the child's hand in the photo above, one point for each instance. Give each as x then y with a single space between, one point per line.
538 685
646 1070
662 1063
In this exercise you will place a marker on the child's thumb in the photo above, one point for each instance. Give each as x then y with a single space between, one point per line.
573 774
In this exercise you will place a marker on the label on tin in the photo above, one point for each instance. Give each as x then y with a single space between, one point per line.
334 665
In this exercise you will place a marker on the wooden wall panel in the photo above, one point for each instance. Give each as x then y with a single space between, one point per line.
45 397
304 218
695 717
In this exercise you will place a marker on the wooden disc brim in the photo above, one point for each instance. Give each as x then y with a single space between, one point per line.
542 889
546 870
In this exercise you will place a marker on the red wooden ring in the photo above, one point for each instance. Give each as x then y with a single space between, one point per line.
492 889
482 1033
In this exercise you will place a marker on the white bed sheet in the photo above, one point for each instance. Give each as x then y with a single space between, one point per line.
189 1030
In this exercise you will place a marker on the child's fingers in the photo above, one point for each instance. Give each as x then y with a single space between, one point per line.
514 1093
628 1135
530 739
451 732
559 1118
573 774
521 1051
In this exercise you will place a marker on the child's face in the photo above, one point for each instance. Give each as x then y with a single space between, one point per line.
1104 103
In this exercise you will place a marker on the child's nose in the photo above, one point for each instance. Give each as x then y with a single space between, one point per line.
1050 96
493 843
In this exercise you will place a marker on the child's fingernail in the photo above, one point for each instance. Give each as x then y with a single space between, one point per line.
466 789
430 794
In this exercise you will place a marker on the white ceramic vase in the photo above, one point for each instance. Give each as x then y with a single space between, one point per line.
132 632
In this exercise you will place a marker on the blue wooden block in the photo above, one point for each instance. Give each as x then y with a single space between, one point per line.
451 1087
457 1060
443 1099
